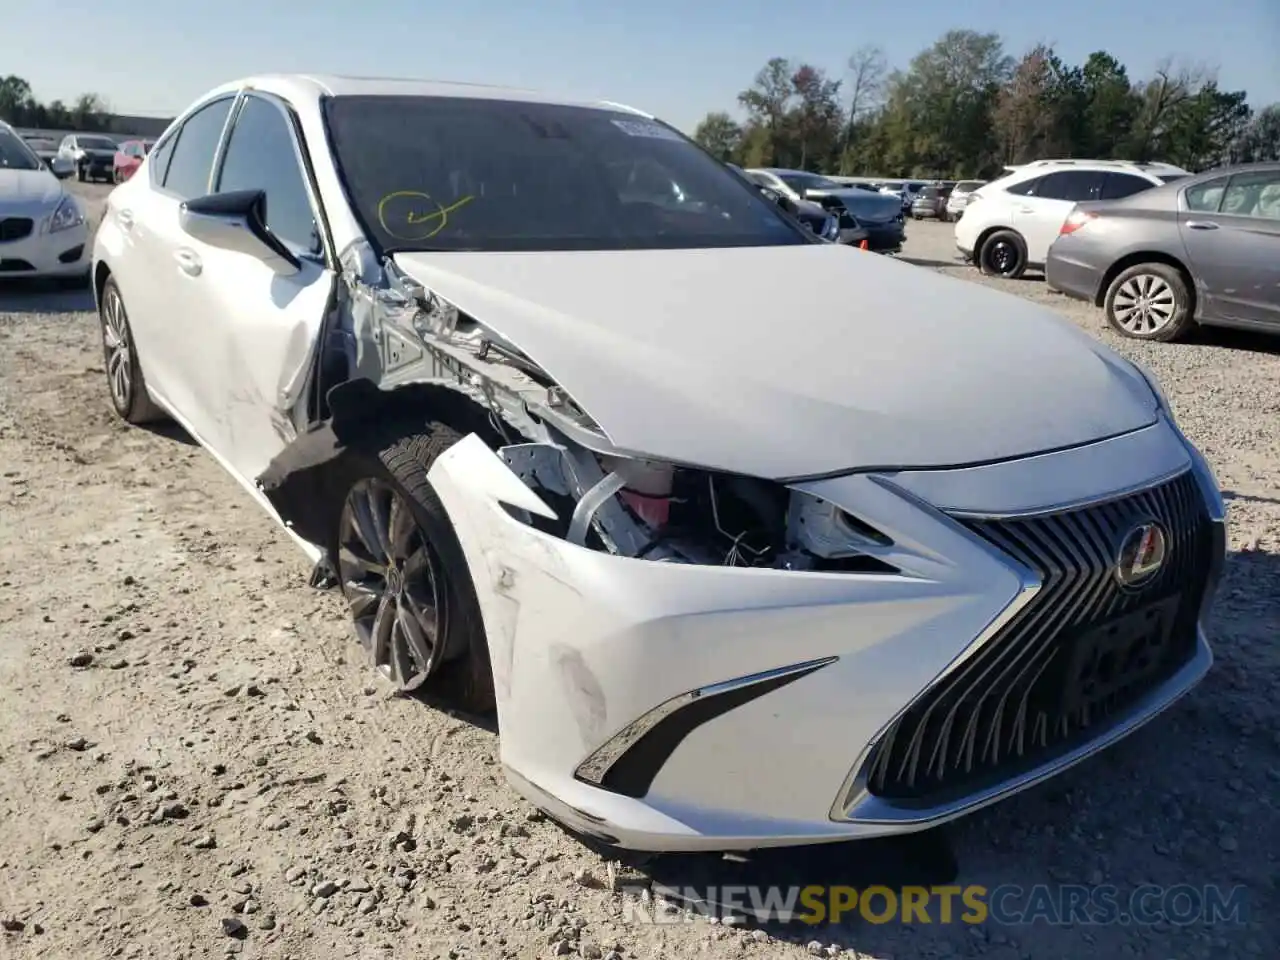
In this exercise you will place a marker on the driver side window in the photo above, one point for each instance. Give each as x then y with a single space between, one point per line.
260 156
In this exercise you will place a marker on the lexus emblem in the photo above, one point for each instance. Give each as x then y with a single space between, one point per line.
1142 554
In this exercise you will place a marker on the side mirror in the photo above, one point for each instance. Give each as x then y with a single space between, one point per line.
61 167
773 196
238 221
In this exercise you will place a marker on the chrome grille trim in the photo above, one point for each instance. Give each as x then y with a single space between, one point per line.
975 725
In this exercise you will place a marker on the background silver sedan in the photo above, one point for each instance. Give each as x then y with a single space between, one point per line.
1204 249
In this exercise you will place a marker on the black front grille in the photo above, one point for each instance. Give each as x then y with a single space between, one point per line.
1083 649
15 228
13 265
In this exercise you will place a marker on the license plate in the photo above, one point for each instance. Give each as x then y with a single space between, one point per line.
1118 654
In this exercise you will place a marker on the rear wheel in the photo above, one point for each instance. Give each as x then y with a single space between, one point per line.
404 575
125 381
1149 301
1003 254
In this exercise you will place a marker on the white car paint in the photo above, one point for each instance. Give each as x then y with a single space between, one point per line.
932 402
814 410
58 224
1036 219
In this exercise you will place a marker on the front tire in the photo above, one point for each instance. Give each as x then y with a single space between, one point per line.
80 173
127 385
1003 254
1149 301
404 575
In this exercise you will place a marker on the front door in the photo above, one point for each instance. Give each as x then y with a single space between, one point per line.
260 328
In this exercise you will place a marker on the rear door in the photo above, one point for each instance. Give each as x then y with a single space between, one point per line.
158 280
1231 229
259 328
1041 205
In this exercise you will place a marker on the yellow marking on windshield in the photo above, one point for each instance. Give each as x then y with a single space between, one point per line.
437 218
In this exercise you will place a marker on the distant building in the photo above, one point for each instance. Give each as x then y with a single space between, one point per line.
144 127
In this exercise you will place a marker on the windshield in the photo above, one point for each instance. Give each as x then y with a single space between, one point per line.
96 143
800 182
453 173
967 186
15 154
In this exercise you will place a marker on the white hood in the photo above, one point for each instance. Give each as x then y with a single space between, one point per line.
796 361
28 188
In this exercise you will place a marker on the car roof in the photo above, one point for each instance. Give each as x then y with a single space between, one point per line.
302 87
1262 166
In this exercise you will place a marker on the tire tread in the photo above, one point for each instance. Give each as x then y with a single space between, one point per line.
407 451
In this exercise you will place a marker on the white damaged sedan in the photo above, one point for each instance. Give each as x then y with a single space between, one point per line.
750 539
43 231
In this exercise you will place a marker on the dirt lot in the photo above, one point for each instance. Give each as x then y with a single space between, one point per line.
194 762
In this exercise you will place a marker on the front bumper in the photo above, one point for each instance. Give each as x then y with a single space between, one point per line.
42 254
96 167
885 237
745 707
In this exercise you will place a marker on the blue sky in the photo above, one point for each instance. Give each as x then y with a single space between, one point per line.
675 59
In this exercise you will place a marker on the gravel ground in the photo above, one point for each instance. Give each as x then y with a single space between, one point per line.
194 761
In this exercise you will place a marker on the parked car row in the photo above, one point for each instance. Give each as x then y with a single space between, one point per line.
880 215
93 156
1159 249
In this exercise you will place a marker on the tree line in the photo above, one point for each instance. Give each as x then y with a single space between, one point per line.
964 108
19 107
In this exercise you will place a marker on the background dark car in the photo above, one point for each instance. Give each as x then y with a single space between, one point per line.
45 148
931 201
92 153
838 226
1203 249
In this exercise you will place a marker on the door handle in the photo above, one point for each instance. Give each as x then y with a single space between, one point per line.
1025 210
188 262
1201 225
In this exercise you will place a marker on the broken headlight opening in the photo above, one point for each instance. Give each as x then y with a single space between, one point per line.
602 500
646 509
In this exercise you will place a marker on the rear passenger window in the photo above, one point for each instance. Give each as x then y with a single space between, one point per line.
1027 188
1118 185
1253 195
1074 185
260 156
1205 197
196 143
160 160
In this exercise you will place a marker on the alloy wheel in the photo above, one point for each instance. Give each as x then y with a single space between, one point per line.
116 350
1003 256
1144 304
393 582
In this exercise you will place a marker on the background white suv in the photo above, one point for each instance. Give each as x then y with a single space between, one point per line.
1009 224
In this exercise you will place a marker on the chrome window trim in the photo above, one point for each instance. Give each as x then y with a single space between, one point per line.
303 158
174 133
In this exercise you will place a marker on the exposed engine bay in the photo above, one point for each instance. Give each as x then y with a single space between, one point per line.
397 334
